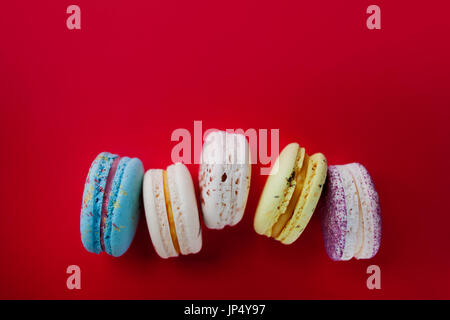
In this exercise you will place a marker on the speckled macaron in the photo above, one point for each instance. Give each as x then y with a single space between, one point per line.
350 213
224 178
111 202
291 194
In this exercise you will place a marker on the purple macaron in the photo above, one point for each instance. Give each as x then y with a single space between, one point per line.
351 216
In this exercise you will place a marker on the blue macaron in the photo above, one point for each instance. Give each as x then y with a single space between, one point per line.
111 204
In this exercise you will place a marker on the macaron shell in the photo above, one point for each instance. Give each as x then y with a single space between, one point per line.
312 189
371 212
238 157
224 179
278 190
184 207
92 201
125 215
240 189
214 181
156 213
353 214
334 215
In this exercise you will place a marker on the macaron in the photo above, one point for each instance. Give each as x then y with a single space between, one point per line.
290 194
171 211
110 207
350 213
224 178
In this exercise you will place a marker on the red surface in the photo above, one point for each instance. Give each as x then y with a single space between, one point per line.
138 70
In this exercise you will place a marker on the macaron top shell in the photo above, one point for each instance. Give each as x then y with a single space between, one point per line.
224 178
156 214
92 201
340 221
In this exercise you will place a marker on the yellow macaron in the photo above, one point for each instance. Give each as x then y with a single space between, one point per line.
291 194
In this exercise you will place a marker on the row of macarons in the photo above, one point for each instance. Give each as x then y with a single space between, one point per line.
299 183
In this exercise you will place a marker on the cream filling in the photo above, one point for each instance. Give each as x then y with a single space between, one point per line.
299 180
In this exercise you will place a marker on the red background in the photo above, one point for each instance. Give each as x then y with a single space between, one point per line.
138 70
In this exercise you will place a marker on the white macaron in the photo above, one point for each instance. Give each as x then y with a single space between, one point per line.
171 211
224 178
